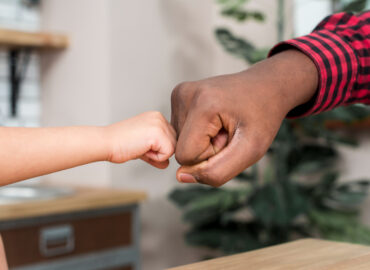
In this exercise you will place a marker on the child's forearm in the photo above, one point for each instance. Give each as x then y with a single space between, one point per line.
30 152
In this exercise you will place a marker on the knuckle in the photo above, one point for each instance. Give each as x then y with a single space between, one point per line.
181 157
157 131
184 156
206 88
178 91
156 115
204 92
171 148
157 119
206 97
153 115
183 85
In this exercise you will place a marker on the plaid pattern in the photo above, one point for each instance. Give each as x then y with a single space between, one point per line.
340 48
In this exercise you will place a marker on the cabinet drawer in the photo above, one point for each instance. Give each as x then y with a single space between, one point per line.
55 240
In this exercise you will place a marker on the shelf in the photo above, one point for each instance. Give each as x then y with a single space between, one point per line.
23 39
20 45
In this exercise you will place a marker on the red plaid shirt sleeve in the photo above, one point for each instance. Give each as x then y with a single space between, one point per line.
340 48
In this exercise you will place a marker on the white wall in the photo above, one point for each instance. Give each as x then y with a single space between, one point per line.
307 14
76 81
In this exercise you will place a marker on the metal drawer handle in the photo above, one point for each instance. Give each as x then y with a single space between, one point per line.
56 240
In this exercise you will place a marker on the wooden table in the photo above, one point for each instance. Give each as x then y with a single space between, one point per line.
302 254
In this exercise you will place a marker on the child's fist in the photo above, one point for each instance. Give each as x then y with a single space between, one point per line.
147 136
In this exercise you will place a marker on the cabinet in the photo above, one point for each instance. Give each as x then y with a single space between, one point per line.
95 234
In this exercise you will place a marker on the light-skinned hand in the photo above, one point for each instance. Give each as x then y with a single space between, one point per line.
147 136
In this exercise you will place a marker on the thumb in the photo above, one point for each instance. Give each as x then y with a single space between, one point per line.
239 154
201 137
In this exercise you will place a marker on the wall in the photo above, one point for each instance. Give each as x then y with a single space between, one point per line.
307 14
76 81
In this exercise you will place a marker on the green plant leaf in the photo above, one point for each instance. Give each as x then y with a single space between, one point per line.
182 197
239 47
323 188
278 204
229 239
311 158
355 6
208 209
339 226
242 15
250 175
348 196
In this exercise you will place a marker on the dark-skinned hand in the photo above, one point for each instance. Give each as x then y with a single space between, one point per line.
227 123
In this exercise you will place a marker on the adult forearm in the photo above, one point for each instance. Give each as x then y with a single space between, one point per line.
289 79
30 152
339 47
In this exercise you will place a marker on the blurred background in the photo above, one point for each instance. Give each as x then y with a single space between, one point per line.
125 57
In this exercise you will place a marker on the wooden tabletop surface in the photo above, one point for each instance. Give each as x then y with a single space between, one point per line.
82 199
302 254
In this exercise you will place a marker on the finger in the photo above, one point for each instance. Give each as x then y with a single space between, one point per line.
159 165
163 145
199 131
172 140
171 134
220 141
161 151
239 154
180 102
173 131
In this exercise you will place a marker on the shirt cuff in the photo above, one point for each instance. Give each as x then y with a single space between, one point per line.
337 67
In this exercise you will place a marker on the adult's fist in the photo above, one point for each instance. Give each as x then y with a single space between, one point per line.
225 124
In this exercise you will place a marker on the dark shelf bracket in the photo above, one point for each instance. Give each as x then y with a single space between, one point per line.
18 60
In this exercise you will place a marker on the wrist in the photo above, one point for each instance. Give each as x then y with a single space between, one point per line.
100 141
115 137
291 76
